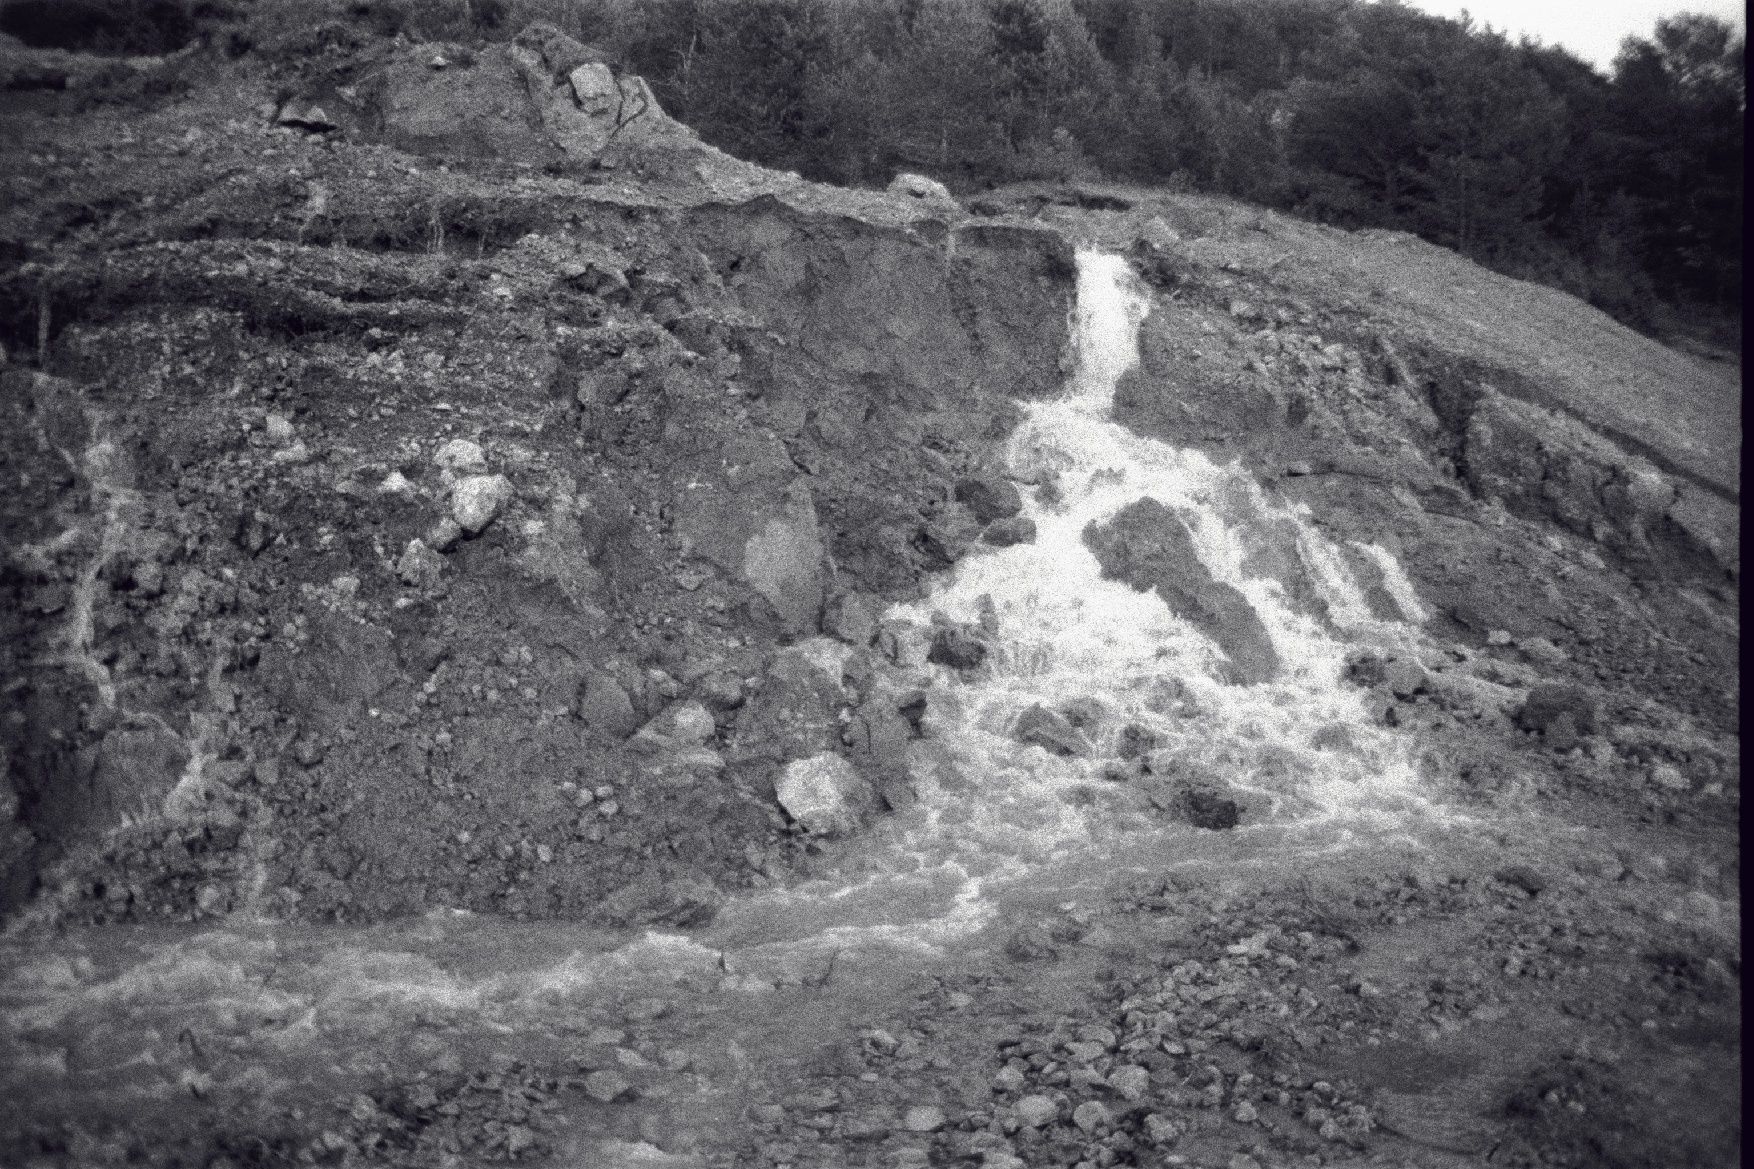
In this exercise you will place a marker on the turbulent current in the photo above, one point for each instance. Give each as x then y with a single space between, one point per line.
1299 753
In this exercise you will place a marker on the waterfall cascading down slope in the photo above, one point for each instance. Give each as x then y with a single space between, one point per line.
1300 751
1000 823
997 817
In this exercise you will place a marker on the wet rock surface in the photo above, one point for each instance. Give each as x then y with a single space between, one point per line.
452 695
1148 546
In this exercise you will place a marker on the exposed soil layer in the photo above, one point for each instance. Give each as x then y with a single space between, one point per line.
426 549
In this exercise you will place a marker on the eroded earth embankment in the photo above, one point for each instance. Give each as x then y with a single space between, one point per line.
1304 733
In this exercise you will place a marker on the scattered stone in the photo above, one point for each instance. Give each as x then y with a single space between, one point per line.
1561 714
852 617
1043 728
605 707
1007 532
419 566
297 452
945 538
1130 1082
1035 1111
279 428
1008 1079
476 500
461 457
957 649
824 794
1523 877
989 497
1091 1115
1160 1130
607 1086
923 1118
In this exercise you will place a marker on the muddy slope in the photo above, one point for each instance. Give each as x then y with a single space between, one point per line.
235 579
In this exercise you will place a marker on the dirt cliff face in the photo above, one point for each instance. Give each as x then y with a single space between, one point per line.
429 488
236 575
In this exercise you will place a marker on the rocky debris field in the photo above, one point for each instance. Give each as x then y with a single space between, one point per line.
411 520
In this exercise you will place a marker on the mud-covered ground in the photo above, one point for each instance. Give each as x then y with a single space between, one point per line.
374 476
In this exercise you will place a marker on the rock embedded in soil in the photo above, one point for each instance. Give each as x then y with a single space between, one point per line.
444 534
419 566
477 500
605 707
824 794
682 724
852 617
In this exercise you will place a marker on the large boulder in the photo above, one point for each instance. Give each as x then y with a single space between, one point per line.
542 98
1148 546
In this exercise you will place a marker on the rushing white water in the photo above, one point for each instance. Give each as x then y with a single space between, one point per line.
1314 771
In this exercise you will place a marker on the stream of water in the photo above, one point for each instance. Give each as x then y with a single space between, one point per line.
999 822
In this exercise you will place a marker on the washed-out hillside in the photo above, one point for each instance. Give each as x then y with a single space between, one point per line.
530 639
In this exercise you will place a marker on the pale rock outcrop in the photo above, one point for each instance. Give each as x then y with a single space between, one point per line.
922 188
461 456
783 561
477 499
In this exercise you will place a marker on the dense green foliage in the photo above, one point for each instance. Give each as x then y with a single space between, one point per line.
1624 189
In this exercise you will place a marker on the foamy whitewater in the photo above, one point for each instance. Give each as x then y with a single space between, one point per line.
993 811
